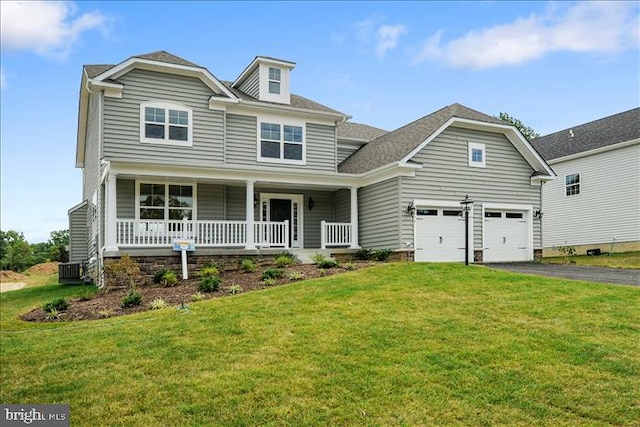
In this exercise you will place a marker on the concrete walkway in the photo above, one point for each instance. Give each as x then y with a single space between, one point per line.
620 276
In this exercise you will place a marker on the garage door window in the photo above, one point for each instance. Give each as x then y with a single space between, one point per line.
513 215
493 214
451 213
426 212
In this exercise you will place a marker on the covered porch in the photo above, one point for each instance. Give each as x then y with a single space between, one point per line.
150 212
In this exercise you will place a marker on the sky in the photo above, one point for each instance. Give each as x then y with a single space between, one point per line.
552 65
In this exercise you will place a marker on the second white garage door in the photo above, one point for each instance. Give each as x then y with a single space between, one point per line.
506 236
439 234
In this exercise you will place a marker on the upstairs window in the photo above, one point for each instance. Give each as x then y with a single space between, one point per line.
275 79
165 123
477 155
572 184
281 143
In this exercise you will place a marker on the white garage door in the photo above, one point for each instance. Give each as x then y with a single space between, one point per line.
505 236
439 234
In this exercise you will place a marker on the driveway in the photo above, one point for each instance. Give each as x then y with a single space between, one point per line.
620 276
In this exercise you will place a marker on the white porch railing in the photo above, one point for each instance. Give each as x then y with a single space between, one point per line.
154 233
335 234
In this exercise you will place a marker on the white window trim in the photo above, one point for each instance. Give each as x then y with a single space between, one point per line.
166 106
282 122
477 146
579 184
270 80
166 184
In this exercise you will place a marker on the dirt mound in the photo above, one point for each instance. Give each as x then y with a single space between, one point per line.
11 276
44 268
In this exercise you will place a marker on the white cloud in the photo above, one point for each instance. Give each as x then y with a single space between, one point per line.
584 27
387 38
48 28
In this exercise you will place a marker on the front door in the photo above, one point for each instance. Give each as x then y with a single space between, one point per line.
285 207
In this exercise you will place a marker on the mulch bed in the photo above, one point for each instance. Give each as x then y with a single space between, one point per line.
106 303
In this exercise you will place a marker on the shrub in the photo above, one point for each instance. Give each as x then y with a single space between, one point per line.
296 275
364 254
169 279
234 289
104 313
327 263
349 266
213 264
383 254
58 304
270 282
198 296
318 258
272 273
85 294
123 272
248 265
209 272
287 254
567 252
157 277
158 303
284 261
209 284
132 299
54 314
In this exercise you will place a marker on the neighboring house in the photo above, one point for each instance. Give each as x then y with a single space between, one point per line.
246 168
595 203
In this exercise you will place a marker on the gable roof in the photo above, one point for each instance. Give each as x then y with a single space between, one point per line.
605 132
395 146
359 132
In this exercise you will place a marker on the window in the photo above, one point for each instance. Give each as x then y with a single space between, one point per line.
572 184
451 213
275 79
165 201
493 214
165 123
477 155
513 215
281 143
426 212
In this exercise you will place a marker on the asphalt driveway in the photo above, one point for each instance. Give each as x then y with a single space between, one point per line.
620 276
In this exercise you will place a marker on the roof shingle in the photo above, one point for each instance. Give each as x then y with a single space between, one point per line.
600 133
359 131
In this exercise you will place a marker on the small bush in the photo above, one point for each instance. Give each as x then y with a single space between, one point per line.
364 254
123 272
169 279
248 265
58 304
213 264
234 289
54 314
272 273
209 284
349 266
104 313
157 277
567 252
198 296
132 299
85 294
270 282
296 275
327 263
383 254
158 303
284 261
318 259
209 272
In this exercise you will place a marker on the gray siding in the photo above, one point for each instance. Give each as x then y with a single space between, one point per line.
91 176
344 152
343 205
78 234
446 175
379 212
125 199
122 121
235 203
251 86
210 202
322 211
321 147
241 139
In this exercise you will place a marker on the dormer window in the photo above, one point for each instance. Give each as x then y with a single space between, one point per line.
275 78
165 123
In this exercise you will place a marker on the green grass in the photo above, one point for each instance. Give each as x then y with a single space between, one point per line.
399 344
617 260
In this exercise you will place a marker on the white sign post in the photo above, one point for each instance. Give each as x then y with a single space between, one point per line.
184 246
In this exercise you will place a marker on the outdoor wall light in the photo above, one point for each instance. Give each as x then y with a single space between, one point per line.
538 214
255 201
411 209
466 205
310 203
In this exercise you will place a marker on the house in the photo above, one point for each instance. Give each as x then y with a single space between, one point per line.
247 168
595 203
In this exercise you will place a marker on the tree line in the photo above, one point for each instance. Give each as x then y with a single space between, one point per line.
17 254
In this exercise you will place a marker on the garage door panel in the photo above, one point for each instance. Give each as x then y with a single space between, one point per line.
505 236
439 235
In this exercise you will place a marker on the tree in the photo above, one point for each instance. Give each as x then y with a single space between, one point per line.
526 131
59 242
15 251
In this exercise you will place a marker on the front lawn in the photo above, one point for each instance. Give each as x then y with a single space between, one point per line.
403 343
617 260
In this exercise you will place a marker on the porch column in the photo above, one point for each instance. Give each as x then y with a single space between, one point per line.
110 213
354 218
249 217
